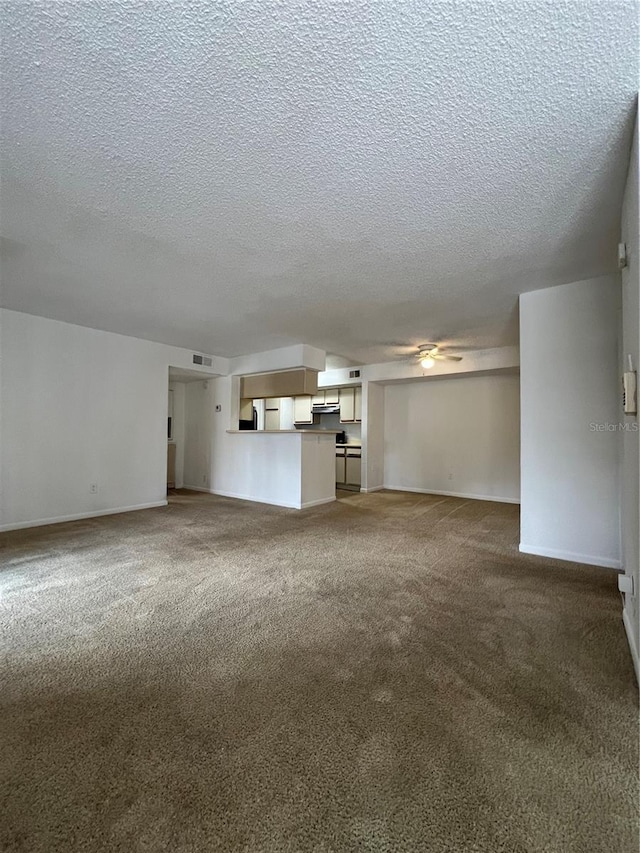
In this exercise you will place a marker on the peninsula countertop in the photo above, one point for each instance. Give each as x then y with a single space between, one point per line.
328 432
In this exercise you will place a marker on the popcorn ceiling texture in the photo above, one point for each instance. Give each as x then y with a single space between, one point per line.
238 176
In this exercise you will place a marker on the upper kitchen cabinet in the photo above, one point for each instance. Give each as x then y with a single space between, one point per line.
302 413
351 405
347 406
281 383
326 397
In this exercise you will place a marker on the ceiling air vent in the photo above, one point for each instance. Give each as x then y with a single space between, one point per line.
354 374
204 360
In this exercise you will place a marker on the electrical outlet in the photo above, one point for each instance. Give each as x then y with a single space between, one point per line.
625 584
93 488
204 479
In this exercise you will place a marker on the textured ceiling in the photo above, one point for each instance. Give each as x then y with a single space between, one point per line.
238 176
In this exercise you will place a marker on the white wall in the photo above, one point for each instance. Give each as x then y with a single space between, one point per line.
454 436
373 419
80 406
286 413
569 382
630 471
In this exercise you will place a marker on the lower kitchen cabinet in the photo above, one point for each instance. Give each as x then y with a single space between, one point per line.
353 469
348 467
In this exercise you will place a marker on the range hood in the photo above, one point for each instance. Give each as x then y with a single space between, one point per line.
325 410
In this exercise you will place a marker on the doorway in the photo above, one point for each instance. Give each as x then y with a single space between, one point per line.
189 430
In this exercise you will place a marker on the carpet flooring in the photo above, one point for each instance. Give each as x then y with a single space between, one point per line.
386 673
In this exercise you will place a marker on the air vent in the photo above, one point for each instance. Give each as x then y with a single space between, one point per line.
354 374
204 360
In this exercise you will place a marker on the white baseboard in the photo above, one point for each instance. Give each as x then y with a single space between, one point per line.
78 516
570 556
253 499
372 489
451 494
628 627
318 503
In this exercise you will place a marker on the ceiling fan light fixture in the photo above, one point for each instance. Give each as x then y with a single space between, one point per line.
427 361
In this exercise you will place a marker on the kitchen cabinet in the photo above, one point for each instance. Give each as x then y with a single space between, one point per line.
351 405
348 467
282 383
353 468
326 397
347 406
302 413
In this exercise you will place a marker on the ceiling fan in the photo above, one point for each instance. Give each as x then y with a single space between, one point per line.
428 354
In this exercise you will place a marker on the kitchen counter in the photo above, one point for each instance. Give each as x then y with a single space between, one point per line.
290 467
284 431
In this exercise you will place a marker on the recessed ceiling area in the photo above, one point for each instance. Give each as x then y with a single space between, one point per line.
235 177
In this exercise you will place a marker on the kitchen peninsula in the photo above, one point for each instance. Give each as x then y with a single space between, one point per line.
292 468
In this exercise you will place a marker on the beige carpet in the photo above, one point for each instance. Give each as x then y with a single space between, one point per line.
385 673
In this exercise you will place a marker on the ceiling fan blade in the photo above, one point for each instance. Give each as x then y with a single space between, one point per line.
441 357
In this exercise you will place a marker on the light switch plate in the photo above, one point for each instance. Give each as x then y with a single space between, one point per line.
630 392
